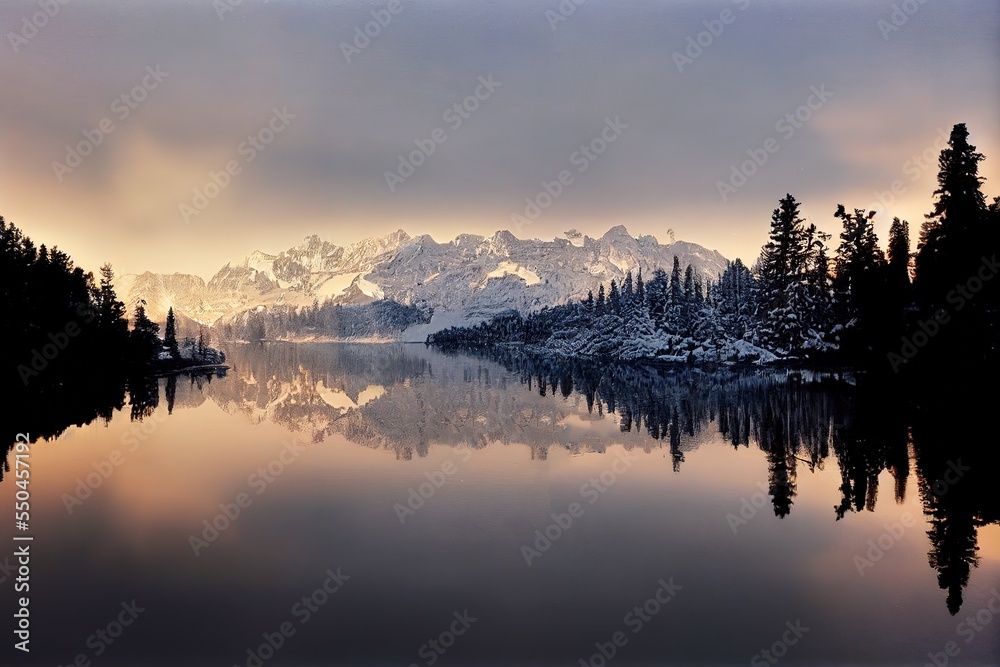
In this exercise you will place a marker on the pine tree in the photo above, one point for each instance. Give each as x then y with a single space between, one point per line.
170 336
960 202
899 253
821 318
957 235
784 296
951 232
858 257
734 299
688 285
657 297
111 322
111 311
676 293
898 275
785 253
685 310
614 298
190 345
143 338
859 283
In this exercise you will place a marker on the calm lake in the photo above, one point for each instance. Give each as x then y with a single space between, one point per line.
394 505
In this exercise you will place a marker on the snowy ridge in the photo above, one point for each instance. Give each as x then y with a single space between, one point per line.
472 276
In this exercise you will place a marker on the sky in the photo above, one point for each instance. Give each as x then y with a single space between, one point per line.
175 136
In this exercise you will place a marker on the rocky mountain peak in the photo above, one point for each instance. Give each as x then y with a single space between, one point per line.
471 276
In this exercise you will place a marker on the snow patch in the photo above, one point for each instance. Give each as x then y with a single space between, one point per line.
370 289
335 285
442 319
370 393
335 398
509 268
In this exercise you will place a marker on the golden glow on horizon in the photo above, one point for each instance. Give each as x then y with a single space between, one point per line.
134 224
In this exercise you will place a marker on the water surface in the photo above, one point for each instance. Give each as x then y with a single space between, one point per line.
421 487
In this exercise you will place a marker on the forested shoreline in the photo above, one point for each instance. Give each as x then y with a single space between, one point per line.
886 310
69 343
383 319
802 302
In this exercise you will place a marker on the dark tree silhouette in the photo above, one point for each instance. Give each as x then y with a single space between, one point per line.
144 342
949 234
170 336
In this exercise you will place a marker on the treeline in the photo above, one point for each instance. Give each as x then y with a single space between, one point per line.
379 319
58 323
61 327
863 305
71 355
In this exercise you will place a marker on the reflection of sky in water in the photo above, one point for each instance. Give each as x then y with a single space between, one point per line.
333 506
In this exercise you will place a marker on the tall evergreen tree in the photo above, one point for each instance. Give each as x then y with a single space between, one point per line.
657 298
899 254
859 285
953 229
820 285
202 343
735 290
791 300
958 236
170 336
898 275
960 201
676 293
688 285
111 311
614 298
785 253
143 339
858 256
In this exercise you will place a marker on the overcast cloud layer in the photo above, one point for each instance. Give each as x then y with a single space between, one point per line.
880 97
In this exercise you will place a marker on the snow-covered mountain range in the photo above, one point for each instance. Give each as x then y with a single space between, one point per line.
465 279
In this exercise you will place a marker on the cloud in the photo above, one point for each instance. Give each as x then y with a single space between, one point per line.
325 174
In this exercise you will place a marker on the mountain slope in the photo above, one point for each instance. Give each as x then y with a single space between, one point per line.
468 278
